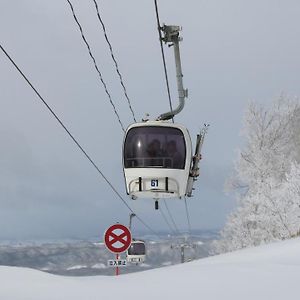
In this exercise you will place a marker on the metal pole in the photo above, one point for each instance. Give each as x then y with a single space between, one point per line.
117 267
179 76
171 35
182 253
130 220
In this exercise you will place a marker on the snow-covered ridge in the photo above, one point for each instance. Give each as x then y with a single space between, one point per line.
266 272
85 258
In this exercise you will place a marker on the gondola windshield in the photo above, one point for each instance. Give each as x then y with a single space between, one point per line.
154 147
137 249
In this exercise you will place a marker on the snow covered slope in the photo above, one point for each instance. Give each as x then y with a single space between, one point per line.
267 272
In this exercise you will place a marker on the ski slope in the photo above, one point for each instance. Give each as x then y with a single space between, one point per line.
266 272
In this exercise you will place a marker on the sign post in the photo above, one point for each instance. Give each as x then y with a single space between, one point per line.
117 268
117 239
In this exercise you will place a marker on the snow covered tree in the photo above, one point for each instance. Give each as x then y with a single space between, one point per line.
290 191
264 179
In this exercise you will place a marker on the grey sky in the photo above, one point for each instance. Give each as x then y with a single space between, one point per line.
232 52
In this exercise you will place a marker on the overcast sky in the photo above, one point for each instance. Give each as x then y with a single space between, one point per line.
233 52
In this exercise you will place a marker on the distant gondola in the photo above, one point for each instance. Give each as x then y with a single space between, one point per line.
136 253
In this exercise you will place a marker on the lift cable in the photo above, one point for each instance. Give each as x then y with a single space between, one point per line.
167 85
170 102
163 56
114 59
96 66
167 222
171 217
74 140
187 215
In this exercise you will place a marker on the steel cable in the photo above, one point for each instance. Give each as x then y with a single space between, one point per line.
163 56
171 217
188 216
96 66
75 140
114 59
167 222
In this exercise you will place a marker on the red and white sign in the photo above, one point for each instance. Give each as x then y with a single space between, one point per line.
117 238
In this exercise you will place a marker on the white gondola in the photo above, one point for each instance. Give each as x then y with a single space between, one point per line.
157 155
136 253
157 160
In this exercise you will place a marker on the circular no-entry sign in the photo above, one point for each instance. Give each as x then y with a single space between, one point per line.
117 238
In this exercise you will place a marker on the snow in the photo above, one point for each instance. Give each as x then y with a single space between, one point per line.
77 267
266 272
99 266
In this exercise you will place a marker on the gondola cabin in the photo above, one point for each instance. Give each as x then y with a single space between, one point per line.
136 253
157 159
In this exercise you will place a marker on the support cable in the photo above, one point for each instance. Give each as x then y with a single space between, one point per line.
187 215
163 56
114 59
75 140
167 222
96 66
171 217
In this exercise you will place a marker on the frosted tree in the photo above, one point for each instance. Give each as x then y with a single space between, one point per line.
261 183
290 191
